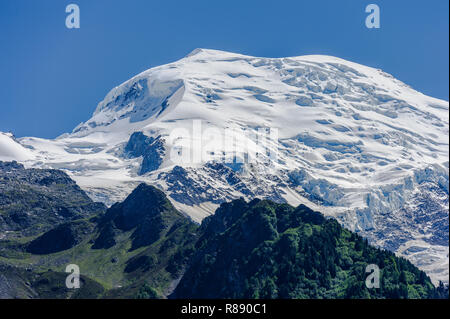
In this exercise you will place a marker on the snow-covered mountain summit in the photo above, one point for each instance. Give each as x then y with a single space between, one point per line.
350 141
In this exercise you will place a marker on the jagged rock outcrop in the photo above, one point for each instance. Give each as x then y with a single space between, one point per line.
35 200
151 149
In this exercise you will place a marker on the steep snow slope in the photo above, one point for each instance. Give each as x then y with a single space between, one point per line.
12 150
346 139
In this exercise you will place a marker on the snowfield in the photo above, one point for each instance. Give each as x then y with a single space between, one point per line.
351 141
11 150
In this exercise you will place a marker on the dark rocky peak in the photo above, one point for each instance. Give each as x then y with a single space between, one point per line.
146 211
144 202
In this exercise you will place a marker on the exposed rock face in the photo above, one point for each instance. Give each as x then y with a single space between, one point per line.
218 182
35 200
151 149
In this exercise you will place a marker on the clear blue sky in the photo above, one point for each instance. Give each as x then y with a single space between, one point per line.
51 78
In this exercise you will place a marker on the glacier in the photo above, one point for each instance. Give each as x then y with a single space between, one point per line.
352 142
